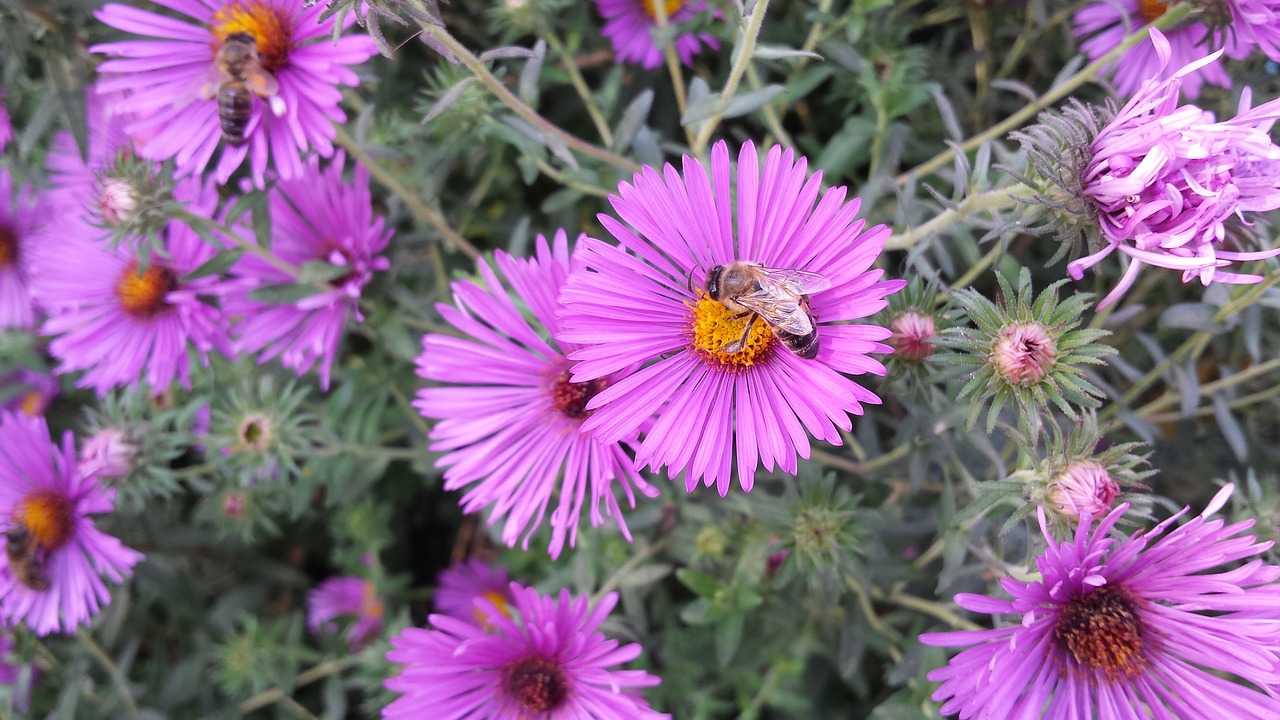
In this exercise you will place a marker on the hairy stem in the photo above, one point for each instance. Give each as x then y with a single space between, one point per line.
990 200
579 84
750 33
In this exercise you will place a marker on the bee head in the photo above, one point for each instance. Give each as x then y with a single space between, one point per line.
713 282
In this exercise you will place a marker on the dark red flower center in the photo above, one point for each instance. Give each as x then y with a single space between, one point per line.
272 31
1151 10
142 294
571 398
8 247
1103 632
48 516
537 683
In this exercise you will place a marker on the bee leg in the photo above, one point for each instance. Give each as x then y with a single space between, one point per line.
737 345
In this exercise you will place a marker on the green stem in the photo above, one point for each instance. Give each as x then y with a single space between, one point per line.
990 200
531 116
240 241
421 211
579 84
117 677
978 268
631 564
860 468
672 60
750 33
1202 412
1172 15
771 118
1172 398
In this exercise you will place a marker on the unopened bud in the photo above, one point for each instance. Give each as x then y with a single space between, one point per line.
107 455
1083 488
911 333
1024 353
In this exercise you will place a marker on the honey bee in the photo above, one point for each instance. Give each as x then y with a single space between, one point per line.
22 549
778 296
240 76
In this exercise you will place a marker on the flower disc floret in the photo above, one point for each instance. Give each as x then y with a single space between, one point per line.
715 327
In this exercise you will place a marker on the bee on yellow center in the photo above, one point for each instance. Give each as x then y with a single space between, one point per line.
716 327
48 517
272 32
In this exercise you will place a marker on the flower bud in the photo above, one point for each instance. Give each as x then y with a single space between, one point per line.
107 455
911 333
1083 488
1024 353
118 202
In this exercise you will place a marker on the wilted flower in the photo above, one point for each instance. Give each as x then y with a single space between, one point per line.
320 224
511 416
27 391
1132 628
123 322
549 662
1170 186
721 383
55 559
628 24
1103 24
462 583
21 216
170 81
1029 352
339 596
106 454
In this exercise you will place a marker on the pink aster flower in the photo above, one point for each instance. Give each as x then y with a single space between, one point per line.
1126 629
549 662
27 391
1166 182
316 218
168 81
510 416
1256 22
21 216
55 559
339 596
462 583
1102 25
118 323
719 381
628 24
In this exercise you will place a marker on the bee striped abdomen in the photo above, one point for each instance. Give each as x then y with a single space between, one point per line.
805 346
235 105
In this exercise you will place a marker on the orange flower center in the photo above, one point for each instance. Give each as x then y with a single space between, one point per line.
142 294
1151 10
499 601
48 516
671 6
32 403
717 329
8 247
1103 632
272 31
371 605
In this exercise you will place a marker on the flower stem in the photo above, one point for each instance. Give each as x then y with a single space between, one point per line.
505 96
747 50
674 69
579 84
631 564
117 677
990 200
241 242
421 211
1172 15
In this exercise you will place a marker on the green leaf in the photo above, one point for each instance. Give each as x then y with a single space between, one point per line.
215 265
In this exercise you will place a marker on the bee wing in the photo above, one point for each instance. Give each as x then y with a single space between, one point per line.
798 282
262 83
782 311
213 78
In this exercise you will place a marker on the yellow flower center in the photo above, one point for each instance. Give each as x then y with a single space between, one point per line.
47 516
370 604
142 294
716 328
8 247
272 31
32 403
671 6
499 601
1151 10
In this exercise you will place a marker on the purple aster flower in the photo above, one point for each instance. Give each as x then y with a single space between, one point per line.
1128 629
21 216
27 391
720 381
1102 25
1171 186
1256 22
122 324
628 24
511 417
6 127
550 662
340 596
169 80
316 218
55 559
462 583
